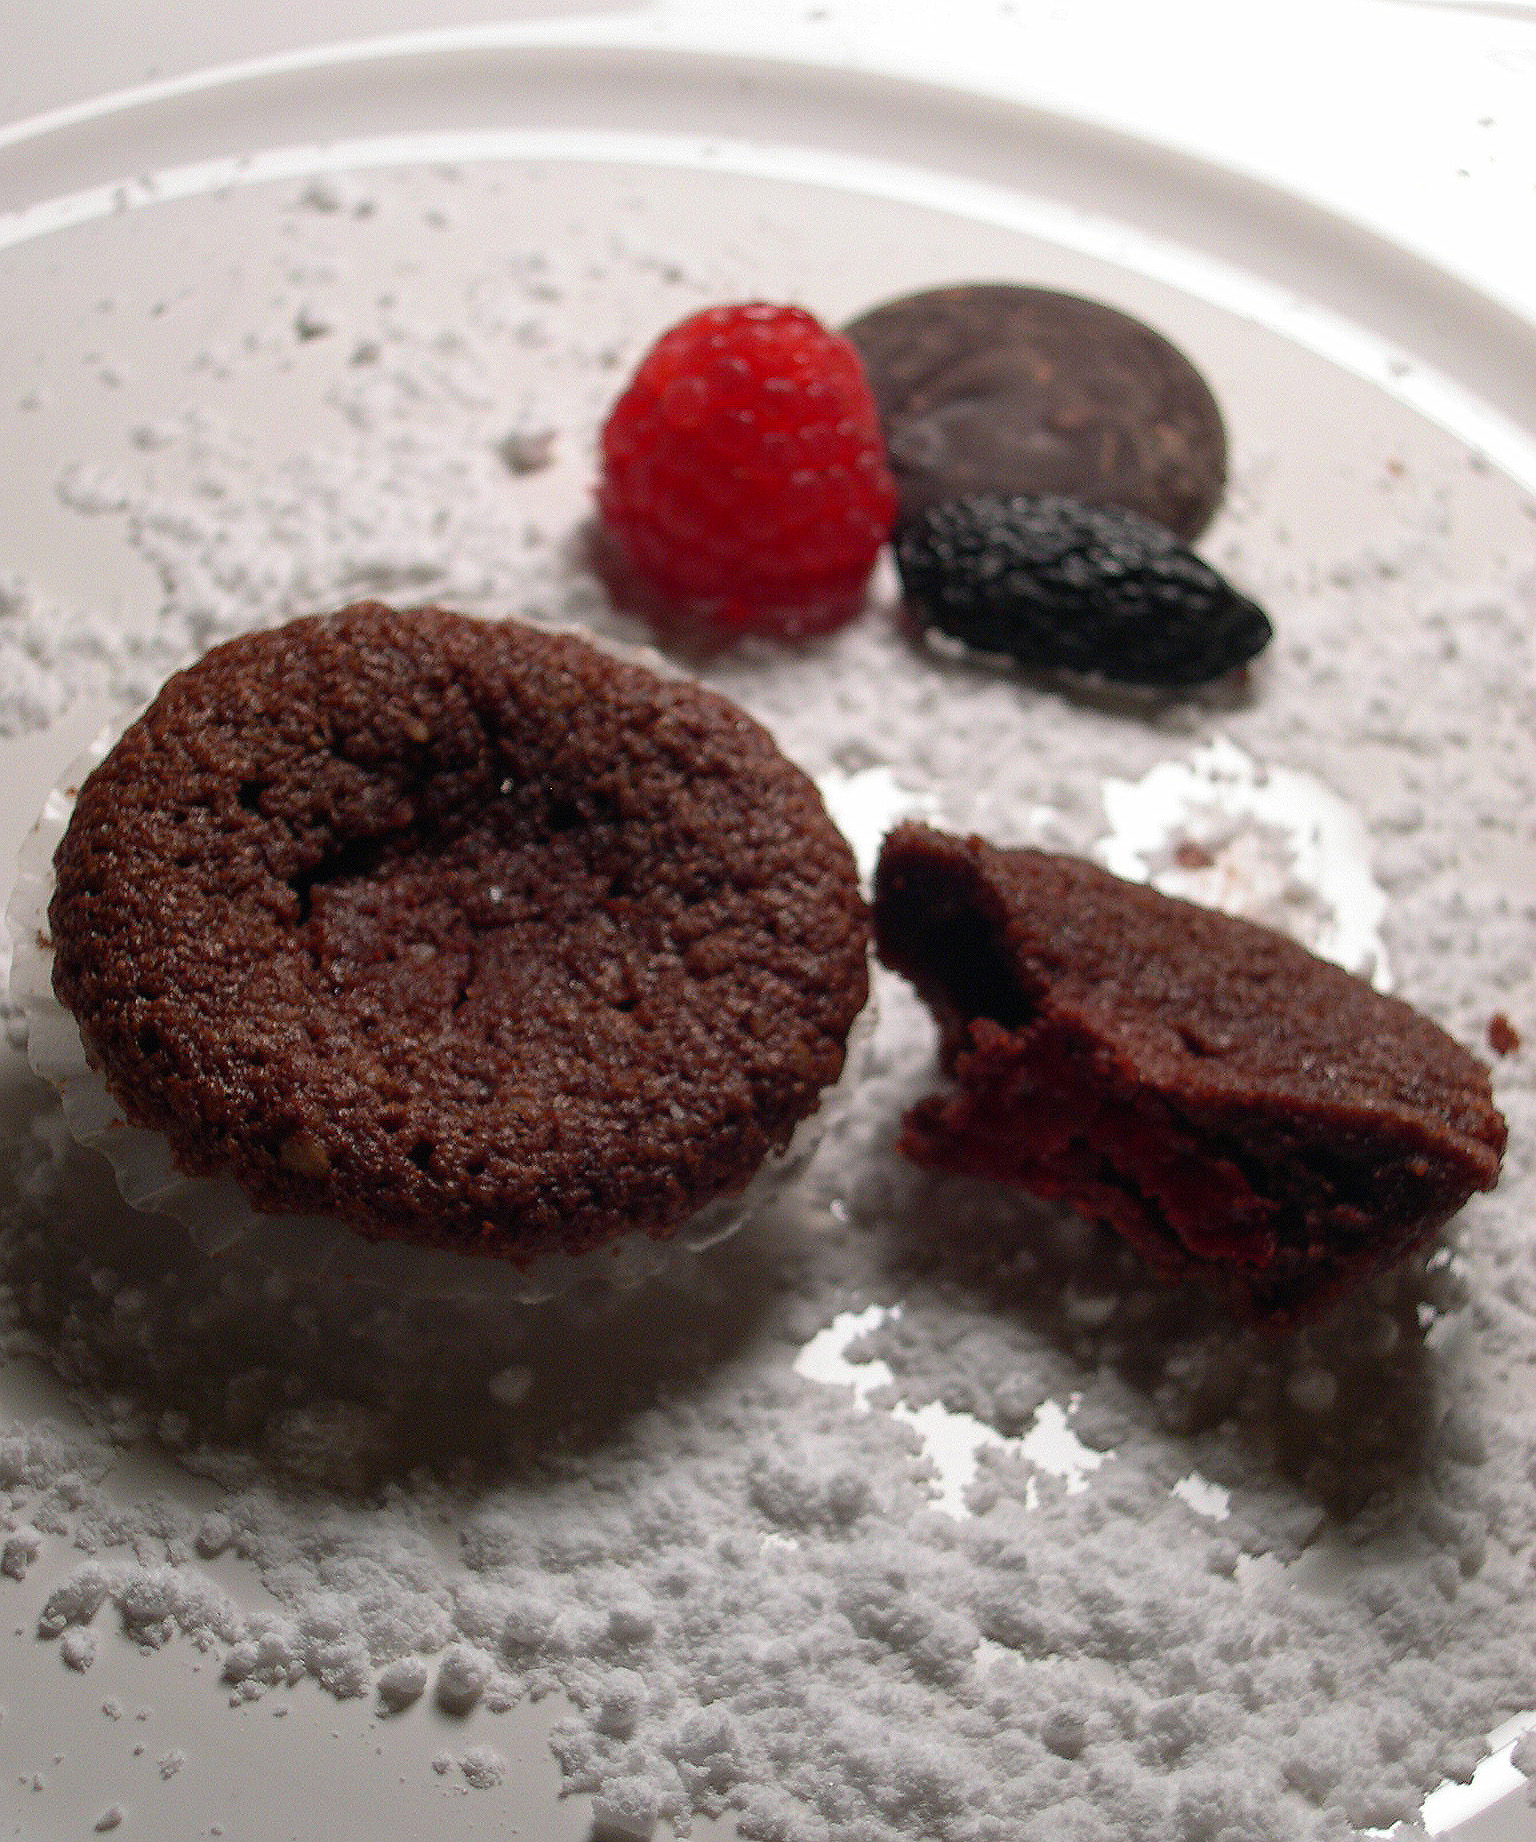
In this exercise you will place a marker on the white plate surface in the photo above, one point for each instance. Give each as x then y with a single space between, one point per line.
140 234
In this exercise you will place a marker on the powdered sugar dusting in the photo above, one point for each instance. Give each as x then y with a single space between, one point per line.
755 1597
952 1439
1268 843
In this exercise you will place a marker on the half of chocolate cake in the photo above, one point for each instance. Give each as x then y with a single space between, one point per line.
1240 1111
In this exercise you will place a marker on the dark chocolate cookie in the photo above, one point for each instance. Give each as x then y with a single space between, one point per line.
1242 1112
996 388
458 932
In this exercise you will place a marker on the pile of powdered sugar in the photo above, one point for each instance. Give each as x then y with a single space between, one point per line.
1295 1590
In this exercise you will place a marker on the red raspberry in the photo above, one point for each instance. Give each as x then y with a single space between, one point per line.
744 476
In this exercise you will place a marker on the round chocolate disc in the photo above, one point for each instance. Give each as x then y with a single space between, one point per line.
995 388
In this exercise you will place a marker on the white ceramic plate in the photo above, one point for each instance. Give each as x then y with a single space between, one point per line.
142 232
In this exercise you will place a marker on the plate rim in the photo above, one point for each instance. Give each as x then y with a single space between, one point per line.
1438 335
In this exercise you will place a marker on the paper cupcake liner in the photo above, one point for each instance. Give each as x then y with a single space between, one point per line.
220 1218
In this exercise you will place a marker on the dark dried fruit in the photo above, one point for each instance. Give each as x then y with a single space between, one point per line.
1062 586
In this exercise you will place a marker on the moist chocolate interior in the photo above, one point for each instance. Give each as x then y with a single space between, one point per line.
1251 1188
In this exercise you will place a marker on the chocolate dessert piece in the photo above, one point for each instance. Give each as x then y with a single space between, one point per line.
459 932
1242 1112
995 388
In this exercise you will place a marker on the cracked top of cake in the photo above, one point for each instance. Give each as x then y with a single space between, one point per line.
456 931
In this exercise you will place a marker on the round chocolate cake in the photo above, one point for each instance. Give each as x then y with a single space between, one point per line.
458 932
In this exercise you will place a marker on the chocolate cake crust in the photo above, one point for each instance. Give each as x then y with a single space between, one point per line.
456 931
1243 1112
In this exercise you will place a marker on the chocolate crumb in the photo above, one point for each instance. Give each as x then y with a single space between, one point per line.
1503 1037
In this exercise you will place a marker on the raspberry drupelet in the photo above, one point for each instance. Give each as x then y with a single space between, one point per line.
744 483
